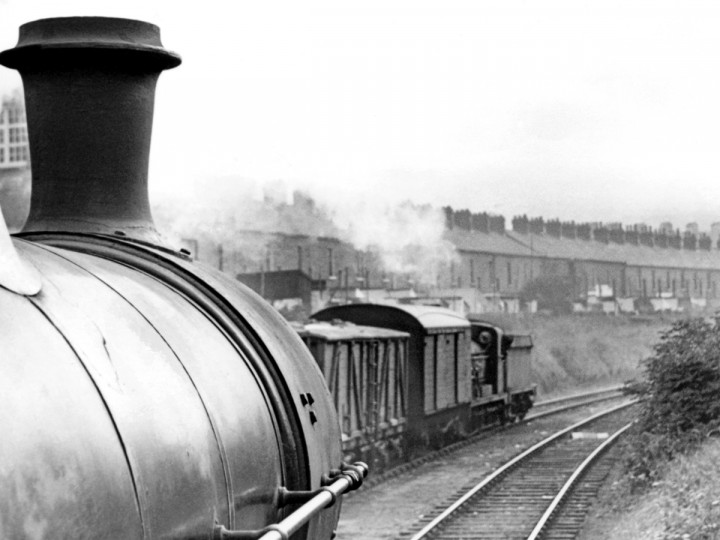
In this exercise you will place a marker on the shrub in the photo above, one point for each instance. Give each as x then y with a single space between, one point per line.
552 292
680 396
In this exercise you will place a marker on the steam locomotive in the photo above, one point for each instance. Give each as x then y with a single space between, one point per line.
142 394
405 378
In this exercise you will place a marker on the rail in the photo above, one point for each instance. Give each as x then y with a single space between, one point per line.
565 403
590 393
498 473
587 398
349 478
562 494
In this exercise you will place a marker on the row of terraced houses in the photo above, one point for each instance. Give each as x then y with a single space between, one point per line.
608 267
669 268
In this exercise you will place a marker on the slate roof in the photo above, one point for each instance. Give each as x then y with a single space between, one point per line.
503 244
527 245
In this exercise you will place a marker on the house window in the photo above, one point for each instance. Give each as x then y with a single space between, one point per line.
17 153
15 116
17 134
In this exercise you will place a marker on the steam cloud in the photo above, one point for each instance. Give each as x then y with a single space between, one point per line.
242 216
408 239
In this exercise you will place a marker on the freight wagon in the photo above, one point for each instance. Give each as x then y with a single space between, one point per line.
408 377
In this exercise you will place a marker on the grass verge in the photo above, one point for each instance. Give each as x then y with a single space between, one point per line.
684 504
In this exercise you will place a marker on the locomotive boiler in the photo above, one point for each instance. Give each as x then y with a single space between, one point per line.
142 394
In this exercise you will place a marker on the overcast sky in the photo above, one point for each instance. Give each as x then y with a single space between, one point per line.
592 111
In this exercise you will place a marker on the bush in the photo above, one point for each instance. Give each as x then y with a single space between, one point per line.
680 396
552 292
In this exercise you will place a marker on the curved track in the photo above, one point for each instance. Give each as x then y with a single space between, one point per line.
523 498
572 401
539 410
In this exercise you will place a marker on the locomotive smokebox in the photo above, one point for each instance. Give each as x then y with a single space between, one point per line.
89 91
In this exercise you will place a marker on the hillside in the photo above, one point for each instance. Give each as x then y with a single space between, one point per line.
583 351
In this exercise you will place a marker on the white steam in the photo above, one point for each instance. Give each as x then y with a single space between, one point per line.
241 223
408 239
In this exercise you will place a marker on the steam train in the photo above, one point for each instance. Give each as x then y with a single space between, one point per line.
405 378
142 394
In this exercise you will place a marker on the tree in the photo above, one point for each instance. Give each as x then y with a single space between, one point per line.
553 293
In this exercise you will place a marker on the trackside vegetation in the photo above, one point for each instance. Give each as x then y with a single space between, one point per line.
669 484
680 398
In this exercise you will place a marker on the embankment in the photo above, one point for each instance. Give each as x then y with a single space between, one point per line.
582 351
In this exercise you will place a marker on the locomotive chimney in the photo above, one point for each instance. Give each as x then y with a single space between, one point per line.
89 92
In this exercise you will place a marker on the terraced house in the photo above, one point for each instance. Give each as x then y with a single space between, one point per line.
665 268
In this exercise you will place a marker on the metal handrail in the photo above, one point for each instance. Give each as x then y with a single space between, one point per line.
349 478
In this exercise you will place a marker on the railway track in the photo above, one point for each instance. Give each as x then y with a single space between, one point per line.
538 494
572 401
540 409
